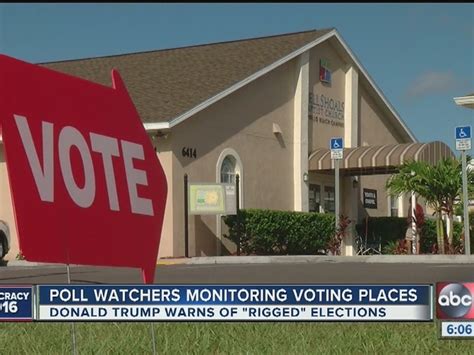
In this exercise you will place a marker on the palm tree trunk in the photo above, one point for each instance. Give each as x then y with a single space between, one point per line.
450 229
440 232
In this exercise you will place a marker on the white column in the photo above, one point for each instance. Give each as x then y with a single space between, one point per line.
389 207
400 206
351 127
351 108
300 138
413 224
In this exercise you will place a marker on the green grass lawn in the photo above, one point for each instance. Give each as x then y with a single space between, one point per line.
229 338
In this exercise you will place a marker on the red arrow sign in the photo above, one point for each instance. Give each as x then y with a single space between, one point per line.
86 183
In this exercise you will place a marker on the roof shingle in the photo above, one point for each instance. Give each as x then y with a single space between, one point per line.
166 83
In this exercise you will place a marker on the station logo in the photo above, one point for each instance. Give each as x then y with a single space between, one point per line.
454 300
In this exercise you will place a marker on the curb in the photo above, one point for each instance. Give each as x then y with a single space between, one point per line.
314 259
173 261
30 263
294 259
24 263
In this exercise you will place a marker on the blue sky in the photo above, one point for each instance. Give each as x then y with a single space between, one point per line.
420 55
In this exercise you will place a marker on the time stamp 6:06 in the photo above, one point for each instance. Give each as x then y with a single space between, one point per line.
457 329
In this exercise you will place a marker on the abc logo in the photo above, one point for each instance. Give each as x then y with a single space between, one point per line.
455 300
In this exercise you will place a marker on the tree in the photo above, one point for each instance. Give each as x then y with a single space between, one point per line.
459 207
439 185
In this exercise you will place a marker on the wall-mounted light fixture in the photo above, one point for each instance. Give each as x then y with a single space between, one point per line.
161 134
355 181
276 128
305 177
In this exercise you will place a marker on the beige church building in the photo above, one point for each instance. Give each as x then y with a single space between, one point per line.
264 108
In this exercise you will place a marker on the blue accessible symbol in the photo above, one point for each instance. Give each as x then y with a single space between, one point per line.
463 132
336 143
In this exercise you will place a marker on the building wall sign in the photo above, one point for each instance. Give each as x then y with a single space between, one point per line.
370 198
324 71
230 199
188 152
326 110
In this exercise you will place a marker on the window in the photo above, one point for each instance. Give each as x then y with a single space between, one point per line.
329 199
314 198
228 166
228 170
393 206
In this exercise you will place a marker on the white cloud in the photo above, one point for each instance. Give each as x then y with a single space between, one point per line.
432 82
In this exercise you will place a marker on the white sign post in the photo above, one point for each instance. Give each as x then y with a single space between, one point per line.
230 199
463 143
337 146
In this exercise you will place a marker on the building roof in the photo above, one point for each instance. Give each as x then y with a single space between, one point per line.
166 83
466 101
168 86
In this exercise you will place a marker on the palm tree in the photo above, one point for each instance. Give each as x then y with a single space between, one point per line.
450 170
413 176
439 185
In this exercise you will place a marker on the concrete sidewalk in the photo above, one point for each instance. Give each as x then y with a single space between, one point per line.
298 259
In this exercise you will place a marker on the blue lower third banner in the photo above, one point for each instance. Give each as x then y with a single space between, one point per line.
16 303
234 303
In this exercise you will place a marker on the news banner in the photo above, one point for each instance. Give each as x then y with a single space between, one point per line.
282 302
216 303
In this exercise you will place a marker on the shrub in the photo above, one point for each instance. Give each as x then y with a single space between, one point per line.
471 222
335 242
388 229
20 256
397 247
428 237
267 232
392 229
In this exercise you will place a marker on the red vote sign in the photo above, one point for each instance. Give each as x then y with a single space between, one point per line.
86 184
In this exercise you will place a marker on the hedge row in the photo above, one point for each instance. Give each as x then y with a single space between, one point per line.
388 229
471 220
267 232
428 236
392 229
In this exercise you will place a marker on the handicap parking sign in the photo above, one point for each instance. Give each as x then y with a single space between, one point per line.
336 143
463 137
463 132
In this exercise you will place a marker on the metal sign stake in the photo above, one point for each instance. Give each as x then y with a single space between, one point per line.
465 197
237 208
337 192
153 337
336 144
463 143
73 326
186 213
